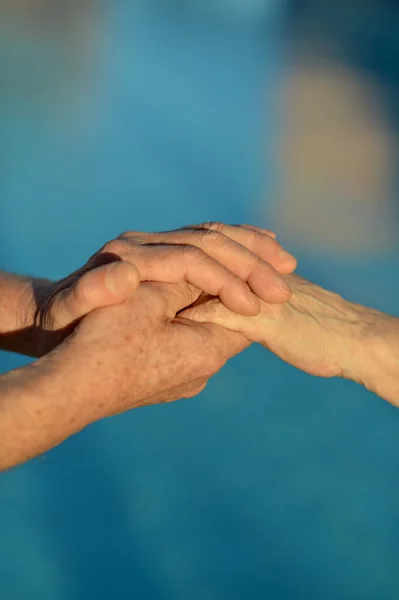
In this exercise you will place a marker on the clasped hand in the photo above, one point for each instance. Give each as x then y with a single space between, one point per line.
223 289
113 324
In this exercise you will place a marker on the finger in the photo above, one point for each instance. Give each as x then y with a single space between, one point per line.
258 241
214 312
261 277
141 236
271 234
178 264
104 286
286 262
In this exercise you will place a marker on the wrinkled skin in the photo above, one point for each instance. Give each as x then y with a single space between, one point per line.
239 264
320 333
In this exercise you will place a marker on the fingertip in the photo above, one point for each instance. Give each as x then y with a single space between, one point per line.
246 304
288 267
273 289
284 255
284 291
253 307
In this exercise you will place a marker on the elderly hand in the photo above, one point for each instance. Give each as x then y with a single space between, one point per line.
320 333
136 353
141 352
239 264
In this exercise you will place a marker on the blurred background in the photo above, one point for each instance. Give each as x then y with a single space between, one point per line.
150 115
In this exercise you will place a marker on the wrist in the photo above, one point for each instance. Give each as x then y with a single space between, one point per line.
41 405
383 359
375 356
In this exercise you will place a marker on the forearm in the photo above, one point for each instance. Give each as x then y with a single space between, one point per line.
41 405
18 301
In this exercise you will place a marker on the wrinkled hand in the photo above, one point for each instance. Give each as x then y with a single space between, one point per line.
139 352
317 331
235 263
320 333
239 264
136 353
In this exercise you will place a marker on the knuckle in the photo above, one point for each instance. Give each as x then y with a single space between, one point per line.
212 310
257 240
118 247
214 226
135 237
190 252
186 291
211 237
80 292
258 266
260 238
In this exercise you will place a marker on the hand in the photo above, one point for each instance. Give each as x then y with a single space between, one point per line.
140 352
222 260
120 357
320 333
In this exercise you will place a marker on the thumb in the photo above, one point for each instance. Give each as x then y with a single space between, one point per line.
106 285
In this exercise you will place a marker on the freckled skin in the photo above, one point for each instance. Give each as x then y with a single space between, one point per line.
110 342
154 362
118 358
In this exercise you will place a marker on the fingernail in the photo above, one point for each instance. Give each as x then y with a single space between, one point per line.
283 285
285 256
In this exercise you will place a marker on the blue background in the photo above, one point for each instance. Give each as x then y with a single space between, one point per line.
271 484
